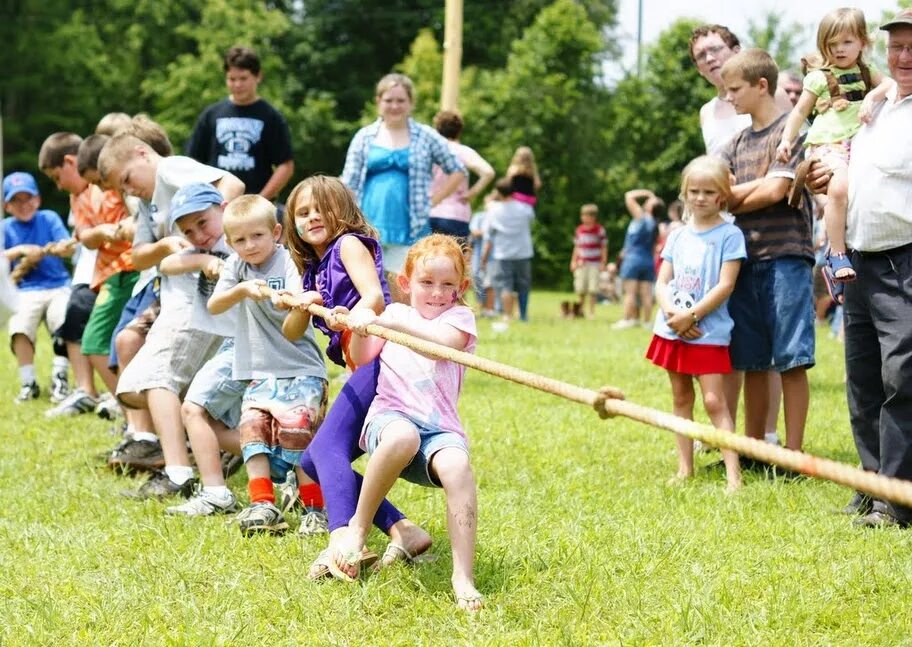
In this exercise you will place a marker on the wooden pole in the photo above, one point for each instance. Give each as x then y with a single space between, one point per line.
452 55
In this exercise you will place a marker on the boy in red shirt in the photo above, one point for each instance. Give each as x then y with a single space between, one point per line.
590 257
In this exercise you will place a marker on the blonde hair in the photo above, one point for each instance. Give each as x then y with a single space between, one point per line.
143 128
392 80
523 163
111 123
119 150
752 65
842 21
711 168
338 209
590 208
436 246
251 208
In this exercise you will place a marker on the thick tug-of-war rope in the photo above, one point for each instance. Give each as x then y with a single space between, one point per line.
55 248
609 401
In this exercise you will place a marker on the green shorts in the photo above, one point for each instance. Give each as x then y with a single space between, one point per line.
113 296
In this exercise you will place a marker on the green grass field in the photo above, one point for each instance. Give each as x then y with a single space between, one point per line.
580 540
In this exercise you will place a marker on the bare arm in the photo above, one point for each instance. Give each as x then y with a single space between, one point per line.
147 255
298 319
229 186
223 301
278 180
485 173
633 198
184 263
874 97
793 124
95 237
758 194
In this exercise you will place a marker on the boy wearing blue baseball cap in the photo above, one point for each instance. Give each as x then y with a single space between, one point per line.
184 335
45 290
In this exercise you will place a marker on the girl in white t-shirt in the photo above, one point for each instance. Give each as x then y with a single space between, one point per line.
700 264
412 428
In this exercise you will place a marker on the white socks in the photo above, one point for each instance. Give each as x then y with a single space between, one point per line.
218 491
60 365
179 474
27 374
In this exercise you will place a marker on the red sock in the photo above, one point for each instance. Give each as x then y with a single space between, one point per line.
261 490
311 495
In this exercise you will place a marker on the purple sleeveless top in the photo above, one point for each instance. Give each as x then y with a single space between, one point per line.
330 279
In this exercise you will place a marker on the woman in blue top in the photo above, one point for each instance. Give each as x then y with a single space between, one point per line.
389 167
637 262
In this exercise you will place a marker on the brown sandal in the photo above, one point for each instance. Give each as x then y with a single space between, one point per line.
797 190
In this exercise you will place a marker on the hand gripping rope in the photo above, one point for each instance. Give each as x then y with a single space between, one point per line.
55 248
609 401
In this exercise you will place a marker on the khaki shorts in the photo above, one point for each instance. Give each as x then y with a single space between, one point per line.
36 306
170 357
586 279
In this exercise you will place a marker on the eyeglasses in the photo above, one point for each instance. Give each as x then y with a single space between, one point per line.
896 50
714 50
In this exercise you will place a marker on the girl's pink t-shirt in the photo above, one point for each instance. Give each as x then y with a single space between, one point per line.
455 206
424 389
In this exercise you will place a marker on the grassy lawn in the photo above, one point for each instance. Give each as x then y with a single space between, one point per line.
580 540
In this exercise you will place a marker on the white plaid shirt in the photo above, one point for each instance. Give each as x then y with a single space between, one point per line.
426 148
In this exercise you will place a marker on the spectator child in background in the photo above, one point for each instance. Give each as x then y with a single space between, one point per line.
509 243
844 92
692 331
637 264
589 258
523 176
44 291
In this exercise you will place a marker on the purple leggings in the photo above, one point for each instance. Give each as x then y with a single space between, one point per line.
329 457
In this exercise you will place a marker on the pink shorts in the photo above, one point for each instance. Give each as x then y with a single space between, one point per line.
834 156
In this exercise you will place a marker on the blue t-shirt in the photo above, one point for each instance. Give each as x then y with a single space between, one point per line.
44 227
640 239
697 258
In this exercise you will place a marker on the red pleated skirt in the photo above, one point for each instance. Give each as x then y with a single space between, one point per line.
689 359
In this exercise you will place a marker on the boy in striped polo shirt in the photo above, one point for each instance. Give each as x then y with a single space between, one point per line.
590 257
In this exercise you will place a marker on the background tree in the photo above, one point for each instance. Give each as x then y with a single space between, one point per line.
781 40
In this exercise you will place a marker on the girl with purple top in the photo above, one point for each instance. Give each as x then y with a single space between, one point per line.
341 262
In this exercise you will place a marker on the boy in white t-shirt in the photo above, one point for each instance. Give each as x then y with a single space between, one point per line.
133 166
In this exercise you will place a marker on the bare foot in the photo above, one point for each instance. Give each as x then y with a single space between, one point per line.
346 546
414 539
733 486
680 478
467 596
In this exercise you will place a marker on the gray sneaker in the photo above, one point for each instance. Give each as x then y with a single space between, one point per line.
287 493
313 522
203 504
260 518
108 408
29 391
74 404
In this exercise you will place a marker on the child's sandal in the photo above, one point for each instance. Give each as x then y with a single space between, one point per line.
837 262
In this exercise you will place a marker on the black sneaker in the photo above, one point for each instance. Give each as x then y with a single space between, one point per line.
159 486
60 387
29 391
137 455
231 463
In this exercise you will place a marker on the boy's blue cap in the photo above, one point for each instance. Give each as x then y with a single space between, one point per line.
193 198
19 182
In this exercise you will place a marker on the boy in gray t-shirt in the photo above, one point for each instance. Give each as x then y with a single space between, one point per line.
285 400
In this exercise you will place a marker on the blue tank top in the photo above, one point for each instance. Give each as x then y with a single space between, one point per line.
385 201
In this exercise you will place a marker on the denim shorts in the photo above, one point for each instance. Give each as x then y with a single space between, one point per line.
432 440
512 275
214 389
136 305
634 268
455 228
773 310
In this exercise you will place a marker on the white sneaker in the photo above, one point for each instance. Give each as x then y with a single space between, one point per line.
108 408
624 323
203 504
772 438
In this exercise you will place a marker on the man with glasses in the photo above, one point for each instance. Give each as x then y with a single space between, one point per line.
878 304
710 47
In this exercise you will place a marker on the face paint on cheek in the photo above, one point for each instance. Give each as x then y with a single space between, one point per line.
300 229
455 296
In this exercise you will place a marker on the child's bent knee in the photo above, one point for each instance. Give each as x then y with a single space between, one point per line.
192 411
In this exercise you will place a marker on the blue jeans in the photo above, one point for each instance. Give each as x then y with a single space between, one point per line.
773 310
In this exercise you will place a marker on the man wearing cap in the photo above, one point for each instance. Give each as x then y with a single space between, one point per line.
878 304
43 291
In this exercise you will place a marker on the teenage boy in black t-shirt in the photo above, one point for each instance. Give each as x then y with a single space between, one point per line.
244 134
